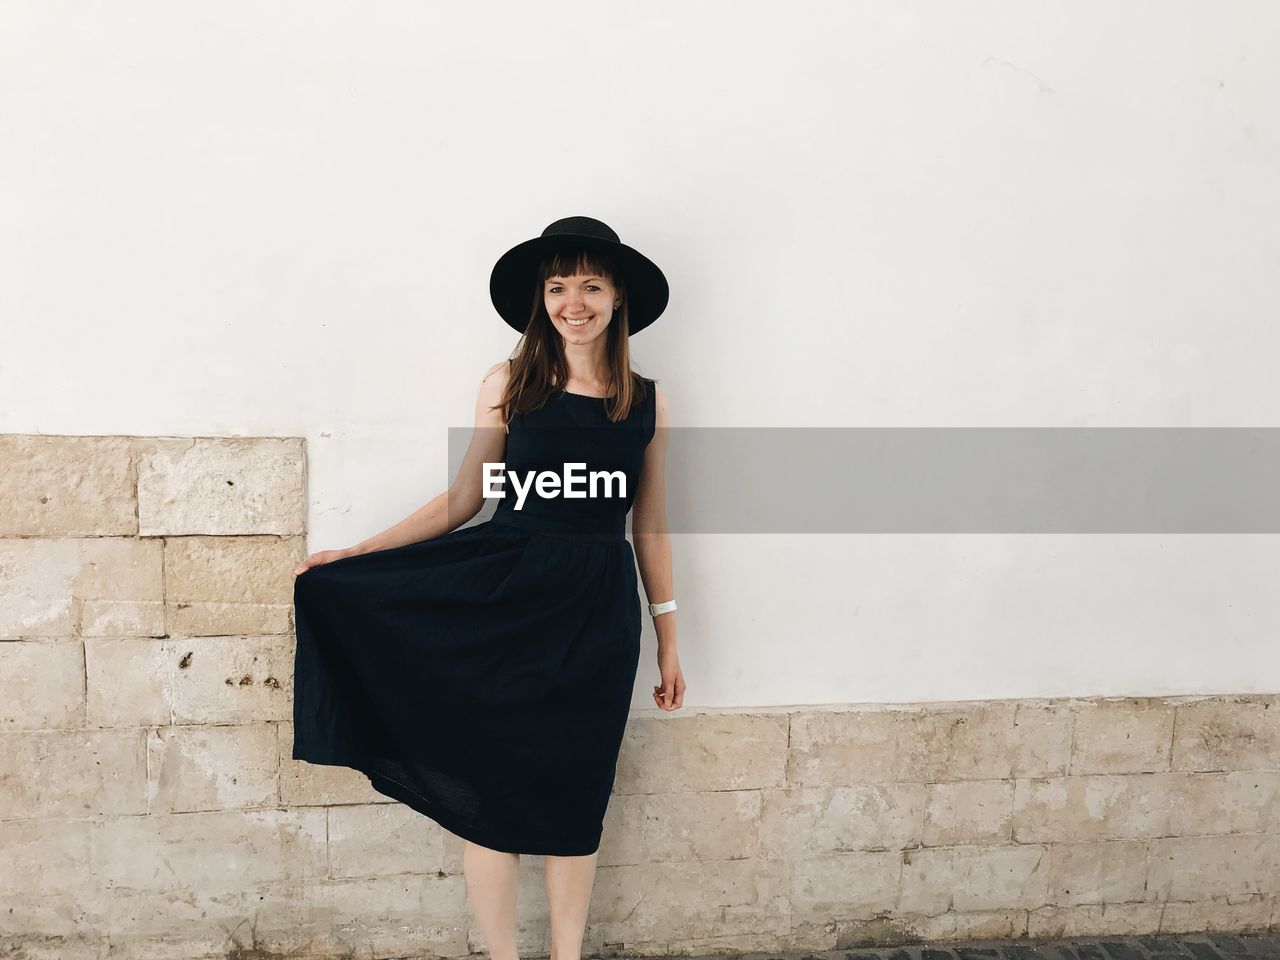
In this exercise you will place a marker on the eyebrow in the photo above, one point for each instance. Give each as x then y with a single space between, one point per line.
559 279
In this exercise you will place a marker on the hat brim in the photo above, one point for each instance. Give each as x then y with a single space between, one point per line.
511 284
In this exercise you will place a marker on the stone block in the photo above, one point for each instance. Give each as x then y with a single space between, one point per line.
711 825
635 904
212 768
929 743
1247 914
841 886
128 682
1122 736
43 858
1113 871
218 586
222 852
802 822
41 685
841 747
232 679
1246 801
974 878
623 838
377 839
65 486
1197 868
1006 739
732 751
1104 807
967 926
968 811
183 923
1093 920
221 486
72 773
405 915
989 877
1228 733
122 618
928 882
49 587
890 930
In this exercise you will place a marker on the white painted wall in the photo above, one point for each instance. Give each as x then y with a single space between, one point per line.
243 219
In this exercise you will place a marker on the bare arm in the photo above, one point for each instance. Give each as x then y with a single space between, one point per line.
464 498
653 555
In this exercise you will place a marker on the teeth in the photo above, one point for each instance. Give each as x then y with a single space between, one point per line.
577 323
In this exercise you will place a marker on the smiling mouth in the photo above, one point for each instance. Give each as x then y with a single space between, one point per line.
576 323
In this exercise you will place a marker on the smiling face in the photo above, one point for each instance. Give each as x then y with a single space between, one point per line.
580 306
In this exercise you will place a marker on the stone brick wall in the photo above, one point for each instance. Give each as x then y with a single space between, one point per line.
149 807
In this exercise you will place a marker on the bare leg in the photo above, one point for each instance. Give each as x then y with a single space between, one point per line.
569 882
492 877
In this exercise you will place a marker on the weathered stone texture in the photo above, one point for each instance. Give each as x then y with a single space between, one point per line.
42 685
223 851
231 679
72 774
966 742
129 682
209 768
1121 736
1228 733
79 587
220 487
806 821
1192 868
221 585
373 840
52 486
710 752
1111 872
148 795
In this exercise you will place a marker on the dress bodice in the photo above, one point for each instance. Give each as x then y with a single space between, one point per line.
589 465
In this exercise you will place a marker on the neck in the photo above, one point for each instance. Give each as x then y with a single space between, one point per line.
586 363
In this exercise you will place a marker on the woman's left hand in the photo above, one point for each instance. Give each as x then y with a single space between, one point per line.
669 695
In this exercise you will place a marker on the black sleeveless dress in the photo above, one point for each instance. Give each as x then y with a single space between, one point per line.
484 677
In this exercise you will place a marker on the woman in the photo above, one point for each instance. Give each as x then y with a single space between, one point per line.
482 675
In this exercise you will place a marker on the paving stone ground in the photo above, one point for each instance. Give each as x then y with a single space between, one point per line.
1182 946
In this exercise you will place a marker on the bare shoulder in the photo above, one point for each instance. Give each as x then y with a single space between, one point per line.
494 381
489 397
662 406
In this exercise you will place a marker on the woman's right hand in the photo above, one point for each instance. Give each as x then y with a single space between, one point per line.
316 559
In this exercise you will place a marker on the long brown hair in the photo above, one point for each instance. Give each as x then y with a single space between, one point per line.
538 368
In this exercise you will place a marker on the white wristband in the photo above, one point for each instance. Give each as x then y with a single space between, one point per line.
665 607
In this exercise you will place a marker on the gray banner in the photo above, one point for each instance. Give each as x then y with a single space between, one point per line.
966 480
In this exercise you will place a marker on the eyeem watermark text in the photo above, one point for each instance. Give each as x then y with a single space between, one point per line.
550 484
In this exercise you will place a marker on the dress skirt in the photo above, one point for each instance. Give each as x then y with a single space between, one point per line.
483 678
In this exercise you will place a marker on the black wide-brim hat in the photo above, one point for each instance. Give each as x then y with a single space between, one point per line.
512 283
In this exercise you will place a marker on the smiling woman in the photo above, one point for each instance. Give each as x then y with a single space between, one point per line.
483 675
